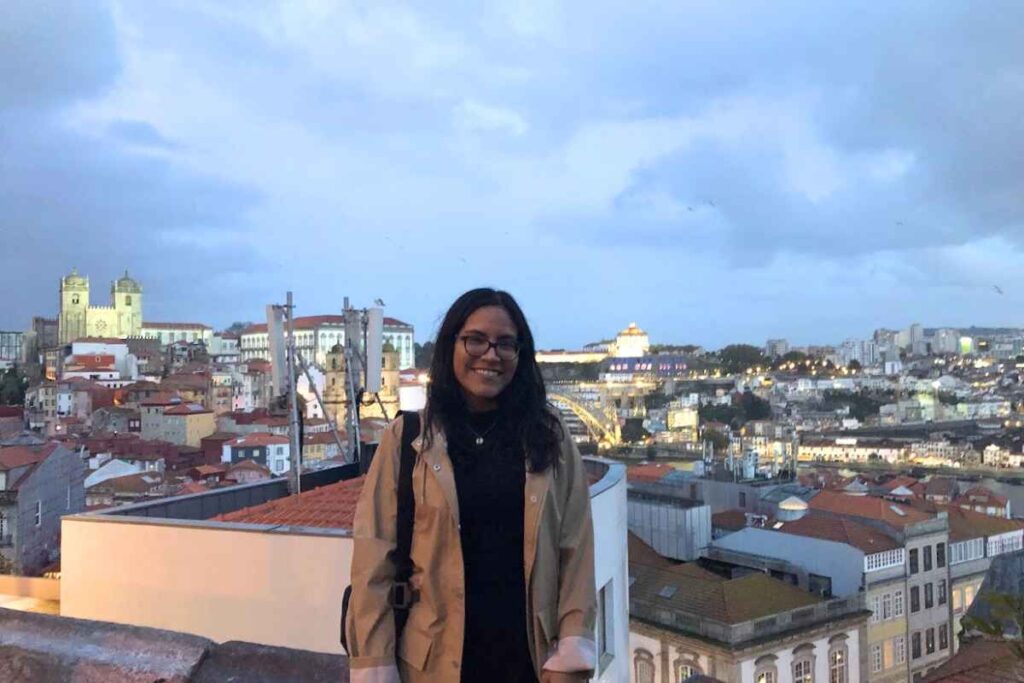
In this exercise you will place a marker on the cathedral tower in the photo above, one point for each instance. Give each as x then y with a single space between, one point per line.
335 398
126 297
74 307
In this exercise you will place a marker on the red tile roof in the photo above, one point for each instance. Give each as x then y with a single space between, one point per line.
648 472
12 411
186 409
330 507
20 456
840 530
869 507
981 661
979 495
162 398
258 439
967 524
90 362
99 340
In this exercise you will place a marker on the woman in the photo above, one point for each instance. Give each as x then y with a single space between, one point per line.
503 547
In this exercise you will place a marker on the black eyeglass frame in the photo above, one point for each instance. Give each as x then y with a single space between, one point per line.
465 339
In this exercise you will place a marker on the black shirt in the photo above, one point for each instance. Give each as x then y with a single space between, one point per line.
490 479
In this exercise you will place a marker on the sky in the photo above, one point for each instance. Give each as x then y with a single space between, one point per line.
716 172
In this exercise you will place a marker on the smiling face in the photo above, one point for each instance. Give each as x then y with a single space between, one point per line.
483 379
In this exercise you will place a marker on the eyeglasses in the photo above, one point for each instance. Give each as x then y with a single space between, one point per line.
478 346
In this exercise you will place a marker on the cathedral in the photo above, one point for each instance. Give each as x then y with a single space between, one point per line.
335 400
77 319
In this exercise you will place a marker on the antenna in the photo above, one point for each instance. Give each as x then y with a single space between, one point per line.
374 345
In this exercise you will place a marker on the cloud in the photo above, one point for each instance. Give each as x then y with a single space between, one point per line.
477 117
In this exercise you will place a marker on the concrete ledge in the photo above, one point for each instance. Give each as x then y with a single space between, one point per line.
38 648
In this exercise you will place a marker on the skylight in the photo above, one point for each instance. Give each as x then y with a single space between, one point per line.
667 592
898 511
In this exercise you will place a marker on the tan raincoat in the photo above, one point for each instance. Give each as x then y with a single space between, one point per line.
558 557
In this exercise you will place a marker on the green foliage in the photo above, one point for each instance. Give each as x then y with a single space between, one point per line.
423 355
12 387
754 407
861 405
673 348
719 440
748 407
854 365
238 327
794 357
633 431
740 357
1005 615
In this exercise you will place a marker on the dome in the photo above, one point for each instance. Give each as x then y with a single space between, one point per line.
793 504
126 284
337 348
632 331
387 348
75 280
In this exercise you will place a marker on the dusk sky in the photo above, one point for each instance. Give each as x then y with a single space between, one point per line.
717 174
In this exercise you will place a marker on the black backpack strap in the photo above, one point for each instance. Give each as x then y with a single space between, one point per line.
402 596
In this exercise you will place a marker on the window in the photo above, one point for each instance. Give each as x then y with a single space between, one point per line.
643 667
958 600
915 645
39 513
897 603
686 668
968 596
927 558
943 636
743 499
888 658
803 671
929 596
929 641
887 606
605 631
942 591
876 609
128 300
900 645
940 554
876 658
765 670
915 599
913 561
837 664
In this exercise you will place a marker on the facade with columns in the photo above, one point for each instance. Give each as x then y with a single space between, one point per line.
335 379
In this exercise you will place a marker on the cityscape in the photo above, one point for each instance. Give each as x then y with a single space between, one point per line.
770 512
740 282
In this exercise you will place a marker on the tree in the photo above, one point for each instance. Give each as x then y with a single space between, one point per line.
423 354
12 388
633 430
754 407
854 365
718 440
238 327
740 357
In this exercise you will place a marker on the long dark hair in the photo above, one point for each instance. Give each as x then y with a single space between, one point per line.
523 403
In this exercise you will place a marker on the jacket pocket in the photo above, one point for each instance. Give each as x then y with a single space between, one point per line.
414 647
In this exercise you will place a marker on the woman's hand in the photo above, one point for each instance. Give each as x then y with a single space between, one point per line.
564 677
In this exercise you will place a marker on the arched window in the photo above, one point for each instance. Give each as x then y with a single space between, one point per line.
686 666
128 299
766 670
803 664
643 667
838 660
74 298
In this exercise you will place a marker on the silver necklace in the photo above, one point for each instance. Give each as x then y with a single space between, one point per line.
480 437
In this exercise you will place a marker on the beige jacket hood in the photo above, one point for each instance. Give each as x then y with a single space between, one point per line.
558 558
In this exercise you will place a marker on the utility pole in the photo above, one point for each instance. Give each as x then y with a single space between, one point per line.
353 369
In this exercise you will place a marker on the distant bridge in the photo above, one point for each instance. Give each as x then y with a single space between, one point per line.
603 426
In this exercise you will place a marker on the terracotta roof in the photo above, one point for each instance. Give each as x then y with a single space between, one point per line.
99 340
186 409
979 495
330 507
191 487
140 483
248 465
967 524
840 530
322 438
258 439
897 482
12 411
941 486
207 470
90 362
980 661
649 472
732 520
20 456
163 398
641 553
869 507
729 601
